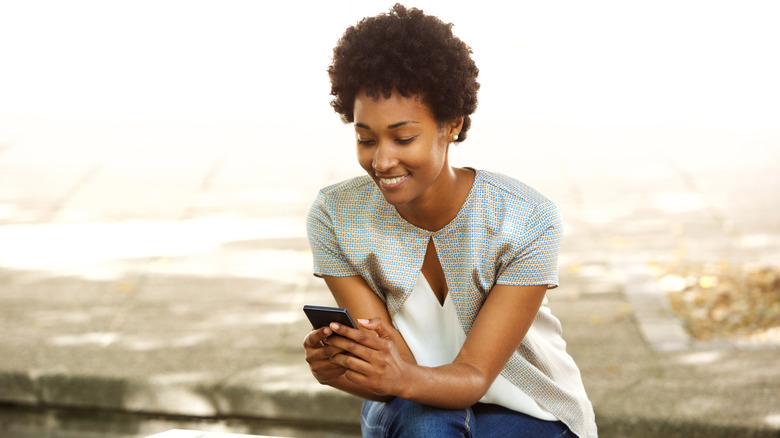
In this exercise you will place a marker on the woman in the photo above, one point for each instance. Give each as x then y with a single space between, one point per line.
445 268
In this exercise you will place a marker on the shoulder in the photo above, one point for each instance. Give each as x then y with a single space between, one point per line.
346 193
344 202
351 187
511 193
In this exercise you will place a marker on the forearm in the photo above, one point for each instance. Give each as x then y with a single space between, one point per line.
373 367
344 384
376 366
495 336
451 386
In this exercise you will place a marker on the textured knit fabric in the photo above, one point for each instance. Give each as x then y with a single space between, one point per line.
505 233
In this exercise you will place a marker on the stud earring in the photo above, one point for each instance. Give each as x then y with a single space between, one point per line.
455 137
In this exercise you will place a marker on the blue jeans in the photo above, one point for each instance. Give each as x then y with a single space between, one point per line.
402 418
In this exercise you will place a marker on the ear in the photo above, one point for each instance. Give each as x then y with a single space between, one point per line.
453 128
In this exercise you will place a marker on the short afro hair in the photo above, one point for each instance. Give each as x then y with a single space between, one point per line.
411 52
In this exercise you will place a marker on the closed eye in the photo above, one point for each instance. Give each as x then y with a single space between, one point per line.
405 140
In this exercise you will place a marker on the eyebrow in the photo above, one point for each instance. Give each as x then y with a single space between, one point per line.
393 126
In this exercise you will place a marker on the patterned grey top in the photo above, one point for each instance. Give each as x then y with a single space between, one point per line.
505 233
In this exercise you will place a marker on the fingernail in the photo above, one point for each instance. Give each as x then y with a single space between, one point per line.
334 326
363 321
327 331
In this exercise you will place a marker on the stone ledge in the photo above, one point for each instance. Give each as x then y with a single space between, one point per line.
180 433
287 398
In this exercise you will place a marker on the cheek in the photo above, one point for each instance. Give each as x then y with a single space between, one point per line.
364 158
438 155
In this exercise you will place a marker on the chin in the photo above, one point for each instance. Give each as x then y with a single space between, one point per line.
394 199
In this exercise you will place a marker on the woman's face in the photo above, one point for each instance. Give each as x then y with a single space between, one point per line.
402 147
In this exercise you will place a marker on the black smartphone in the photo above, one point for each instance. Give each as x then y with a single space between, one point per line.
321 316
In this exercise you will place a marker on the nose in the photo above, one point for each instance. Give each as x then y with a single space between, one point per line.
384 158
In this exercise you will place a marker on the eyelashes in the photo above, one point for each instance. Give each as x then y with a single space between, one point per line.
401 141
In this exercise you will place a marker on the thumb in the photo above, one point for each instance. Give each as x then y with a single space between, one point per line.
378 326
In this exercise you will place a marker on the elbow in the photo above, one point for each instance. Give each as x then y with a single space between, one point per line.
477 383
479 391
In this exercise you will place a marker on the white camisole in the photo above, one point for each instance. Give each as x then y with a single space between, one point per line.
435 337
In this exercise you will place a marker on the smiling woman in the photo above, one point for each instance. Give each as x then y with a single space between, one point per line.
445 268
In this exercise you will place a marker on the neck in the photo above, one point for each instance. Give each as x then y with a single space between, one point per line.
443 203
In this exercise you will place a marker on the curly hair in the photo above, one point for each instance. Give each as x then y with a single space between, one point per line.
411 52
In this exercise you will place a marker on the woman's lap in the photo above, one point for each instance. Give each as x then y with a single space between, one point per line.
497 421
402 418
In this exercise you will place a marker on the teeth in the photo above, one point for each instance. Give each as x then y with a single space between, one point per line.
391 180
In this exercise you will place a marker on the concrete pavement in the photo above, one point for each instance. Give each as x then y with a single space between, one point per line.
132 303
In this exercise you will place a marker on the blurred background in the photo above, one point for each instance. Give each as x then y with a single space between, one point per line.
124 110
189 137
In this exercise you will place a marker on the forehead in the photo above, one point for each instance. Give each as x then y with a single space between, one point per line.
387 111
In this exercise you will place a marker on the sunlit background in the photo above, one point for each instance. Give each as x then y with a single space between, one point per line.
165 111
157 159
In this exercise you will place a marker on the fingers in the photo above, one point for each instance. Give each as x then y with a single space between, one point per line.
363 345
326 371
316 337
370 365
317 345
346 345
350 339
377 325
352 362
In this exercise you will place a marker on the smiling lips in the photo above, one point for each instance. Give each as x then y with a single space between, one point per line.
392 182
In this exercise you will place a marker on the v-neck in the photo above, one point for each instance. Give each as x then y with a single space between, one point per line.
478 174
431 266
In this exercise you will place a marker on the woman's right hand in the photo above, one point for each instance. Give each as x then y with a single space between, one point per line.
319 354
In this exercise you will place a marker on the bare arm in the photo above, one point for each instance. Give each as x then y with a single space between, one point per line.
498 330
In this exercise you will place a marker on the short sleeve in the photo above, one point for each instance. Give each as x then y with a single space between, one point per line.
534 260
327 254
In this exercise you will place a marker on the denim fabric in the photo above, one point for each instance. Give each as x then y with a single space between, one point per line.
402 418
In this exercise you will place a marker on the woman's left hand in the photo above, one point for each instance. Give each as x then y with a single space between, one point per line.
375 363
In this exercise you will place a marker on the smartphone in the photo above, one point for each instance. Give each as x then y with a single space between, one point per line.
321 316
